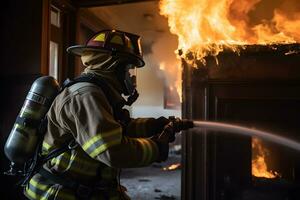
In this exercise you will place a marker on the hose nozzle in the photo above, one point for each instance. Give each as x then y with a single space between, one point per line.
181 124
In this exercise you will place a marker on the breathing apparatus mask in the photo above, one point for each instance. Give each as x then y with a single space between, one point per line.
128 78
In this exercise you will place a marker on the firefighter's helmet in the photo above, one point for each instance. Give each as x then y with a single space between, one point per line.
115 42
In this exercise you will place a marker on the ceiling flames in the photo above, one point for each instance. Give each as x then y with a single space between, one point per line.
259 165
207 27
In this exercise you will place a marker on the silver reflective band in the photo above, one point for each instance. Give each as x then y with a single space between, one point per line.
36 98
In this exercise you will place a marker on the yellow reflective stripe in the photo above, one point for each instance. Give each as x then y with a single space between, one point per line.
144 151
154 150
67 155
101 136
150 151
46 188
103 147
46 146
75 158
150 148
39 185
147 150
117 40
60 162
26 111
36 196
100 37
24 128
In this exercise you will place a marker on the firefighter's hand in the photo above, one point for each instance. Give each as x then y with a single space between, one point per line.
160 123
125 115
162 141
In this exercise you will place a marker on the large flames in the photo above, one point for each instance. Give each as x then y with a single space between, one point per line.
259 165
206 27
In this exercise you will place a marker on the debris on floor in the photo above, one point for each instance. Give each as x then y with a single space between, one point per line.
144 180
150 183
157 190
165 197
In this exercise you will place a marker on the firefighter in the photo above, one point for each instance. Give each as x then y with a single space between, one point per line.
106 138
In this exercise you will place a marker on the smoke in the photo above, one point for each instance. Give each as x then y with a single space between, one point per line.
168 65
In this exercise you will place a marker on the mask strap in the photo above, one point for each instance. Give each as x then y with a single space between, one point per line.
132 98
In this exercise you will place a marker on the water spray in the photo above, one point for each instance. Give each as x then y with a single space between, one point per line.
240 130
237 130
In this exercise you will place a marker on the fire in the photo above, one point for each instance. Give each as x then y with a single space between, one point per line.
207 27
172 167
259 165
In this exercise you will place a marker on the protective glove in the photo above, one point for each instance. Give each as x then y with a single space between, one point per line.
179 125
160 124
162 141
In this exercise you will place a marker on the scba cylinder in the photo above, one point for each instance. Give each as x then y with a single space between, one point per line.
23 139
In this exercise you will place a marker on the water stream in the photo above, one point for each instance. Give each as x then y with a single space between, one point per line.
240 130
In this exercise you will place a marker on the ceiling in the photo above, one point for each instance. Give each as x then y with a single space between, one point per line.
93 3
141 18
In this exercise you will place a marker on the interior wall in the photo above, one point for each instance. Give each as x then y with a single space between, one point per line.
151 89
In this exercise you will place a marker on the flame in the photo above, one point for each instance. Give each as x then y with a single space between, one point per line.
207 27
172 167
259 165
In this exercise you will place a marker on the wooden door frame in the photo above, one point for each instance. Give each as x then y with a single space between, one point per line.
69 12
45 37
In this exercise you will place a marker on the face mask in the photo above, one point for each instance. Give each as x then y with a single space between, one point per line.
130 79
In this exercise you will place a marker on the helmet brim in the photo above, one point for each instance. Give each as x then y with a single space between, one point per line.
78 50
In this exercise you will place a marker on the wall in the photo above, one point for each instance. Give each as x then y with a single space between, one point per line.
151 89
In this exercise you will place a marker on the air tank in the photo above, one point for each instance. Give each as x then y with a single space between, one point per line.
23 139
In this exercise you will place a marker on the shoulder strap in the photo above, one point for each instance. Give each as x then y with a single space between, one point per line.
91 78
119 113
77 86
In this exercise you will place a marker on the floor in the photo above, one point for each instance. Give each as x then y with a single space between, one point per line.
153 182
